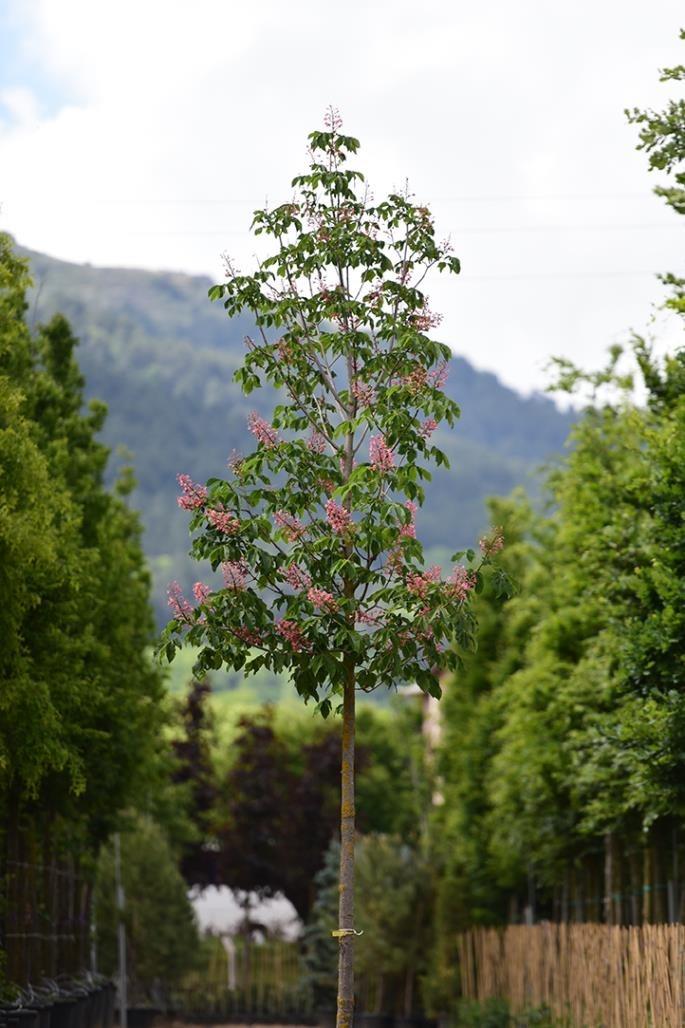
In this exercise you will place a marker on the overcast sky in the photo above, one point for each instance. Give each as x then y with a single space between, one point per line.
143 133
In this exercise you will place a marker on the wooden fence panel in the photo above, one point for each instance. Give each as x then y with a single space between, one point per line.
593 974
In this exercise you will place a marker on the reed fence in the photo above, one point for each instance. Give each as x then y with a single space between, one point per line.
587 975
246 980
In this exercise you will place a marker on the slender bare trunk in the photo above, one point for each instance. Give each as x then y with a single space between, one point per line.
11 906
380 995
635 883
608 878
409 989
647 884
347 831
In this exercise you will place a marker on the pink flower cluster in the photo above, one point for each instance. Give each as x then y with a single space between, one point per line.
291 526
296 577
292 633
371 617
399 640
180 608
224 521
235 574
332 120
201 592
316 442
438 376
342 464
265 433
285 351
322 599
428 427
375 296
363 394
405 272
394 562
408 531
492 543
425 320
419 378
339 518
380 454
234 462
460 582
415 380
193 495
418 582
248 636
230 267
427 639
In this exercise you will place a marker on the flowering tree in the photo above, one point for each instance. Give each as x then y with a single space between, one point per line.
315 530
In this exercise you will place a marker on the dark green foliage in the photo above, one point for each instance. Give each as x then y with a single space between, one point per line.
80 701
269 824
253 819
320 948
569 723
394 910
161 933
491 1014
393 788
495 1013
83 629
195 774
564 741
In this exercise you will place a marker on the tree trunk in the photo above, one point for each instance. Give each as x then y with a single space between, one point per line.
347 831
565 895
646 884
409 990
11 905
635 883
608 878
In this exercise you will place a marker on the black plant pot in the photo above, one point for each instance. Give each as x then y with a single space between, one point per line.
81 1010
110 992
24 1017
363 1020
92 1016
99 1011
141 1017
64 1012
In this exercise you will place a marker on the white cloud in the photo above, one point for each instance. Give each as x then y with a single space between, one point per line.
20 106
181 118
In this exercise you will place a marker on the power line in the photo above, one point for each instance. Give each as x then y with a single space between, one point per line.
569 228
453 198
486 197
562 274
521 229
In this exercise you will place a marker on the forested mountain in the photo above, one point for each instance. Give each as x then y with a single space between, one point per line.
162 357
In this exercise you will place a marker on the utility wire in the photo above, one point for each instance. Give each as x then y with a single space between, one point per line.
562 274
520 229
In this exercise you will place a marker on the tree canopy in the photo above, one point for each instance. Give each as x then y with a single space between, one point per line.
80 701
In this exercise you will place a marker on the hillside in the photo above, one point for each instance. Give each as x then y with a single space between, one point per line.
162 357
